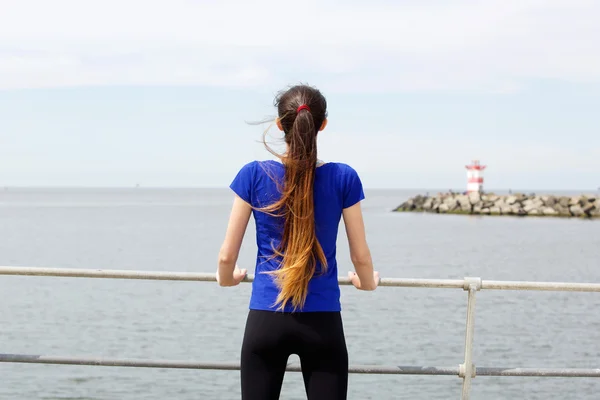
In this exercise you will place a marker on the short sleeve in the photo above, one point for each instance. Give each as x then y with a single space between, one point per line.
243 183
353 189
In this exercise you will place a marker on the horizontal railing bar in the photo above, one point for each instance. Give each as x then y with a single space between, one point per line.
546 286
354 369
208 277
195 276
541 372
110 274
128 362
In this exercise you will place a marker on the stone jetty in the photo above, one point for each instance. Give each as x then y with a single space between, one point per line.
514 204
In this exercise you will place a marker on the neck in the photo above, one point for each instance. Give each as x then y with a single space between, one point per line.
318 163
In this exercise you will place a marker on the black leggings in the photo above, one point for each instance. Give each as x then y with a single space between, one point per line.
316 337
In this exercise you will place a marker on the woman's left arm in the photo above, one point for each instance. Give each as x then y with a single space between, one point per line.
228 274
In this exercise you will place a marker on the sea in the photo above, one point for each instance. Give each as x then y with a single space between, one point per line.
182 230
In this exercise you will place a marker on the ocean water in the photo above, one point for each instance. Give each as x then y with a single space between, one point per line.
182 229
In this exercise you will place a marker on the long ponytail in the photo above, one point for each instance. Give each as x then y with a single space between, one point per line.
302 110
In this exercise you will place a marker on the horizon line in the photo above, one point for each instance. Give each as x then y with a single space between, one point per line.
431 189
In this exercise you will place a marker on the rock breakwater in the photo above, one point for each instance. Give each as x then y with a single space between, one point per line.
513 204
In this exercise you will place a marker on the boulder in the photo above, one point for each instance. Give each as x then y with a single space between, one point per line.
588 208
450 200
562 210
576 210
474 198
419 201
564 201
500 202
487 204
549 201
574 200
530 205
519 211
506 210
520 197
549 211
464 203
510 200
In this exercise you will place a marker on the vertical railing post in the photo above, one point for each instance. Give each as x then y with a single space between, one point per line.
467 369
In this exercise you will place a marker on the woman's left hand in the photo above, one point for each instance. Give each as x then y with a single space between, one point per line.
237 276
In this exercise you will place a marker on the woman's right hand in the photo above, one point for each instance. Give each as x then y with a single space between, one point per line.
367 285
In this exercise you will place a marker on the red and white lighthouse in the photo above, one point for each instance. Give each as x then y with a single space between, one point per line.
475 176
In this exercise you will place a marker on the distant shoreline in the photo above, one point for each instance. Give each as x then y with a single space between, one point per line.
581 206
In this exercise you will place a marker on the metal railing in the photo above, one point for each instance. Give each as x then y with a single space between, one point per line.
466 370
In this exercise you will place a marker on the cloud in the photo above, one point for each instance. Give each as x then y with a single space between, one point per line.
492 46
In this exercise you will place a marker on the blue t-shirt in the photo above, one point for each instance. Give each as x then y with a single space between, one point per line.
337 186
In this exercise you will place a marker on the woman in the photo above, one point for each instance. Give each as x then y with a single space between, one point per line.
295 304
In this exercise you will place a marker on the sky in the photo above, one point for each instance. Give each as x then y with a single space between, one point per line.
160 93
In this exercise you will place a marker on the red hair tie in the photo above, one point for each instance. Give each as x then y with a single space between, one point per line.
303 107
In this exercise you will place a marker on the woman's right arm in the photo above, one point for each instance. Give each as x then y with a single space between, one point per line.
364 278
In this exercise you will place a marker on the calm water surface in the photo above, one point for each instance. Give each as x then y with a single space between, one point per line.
181 230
